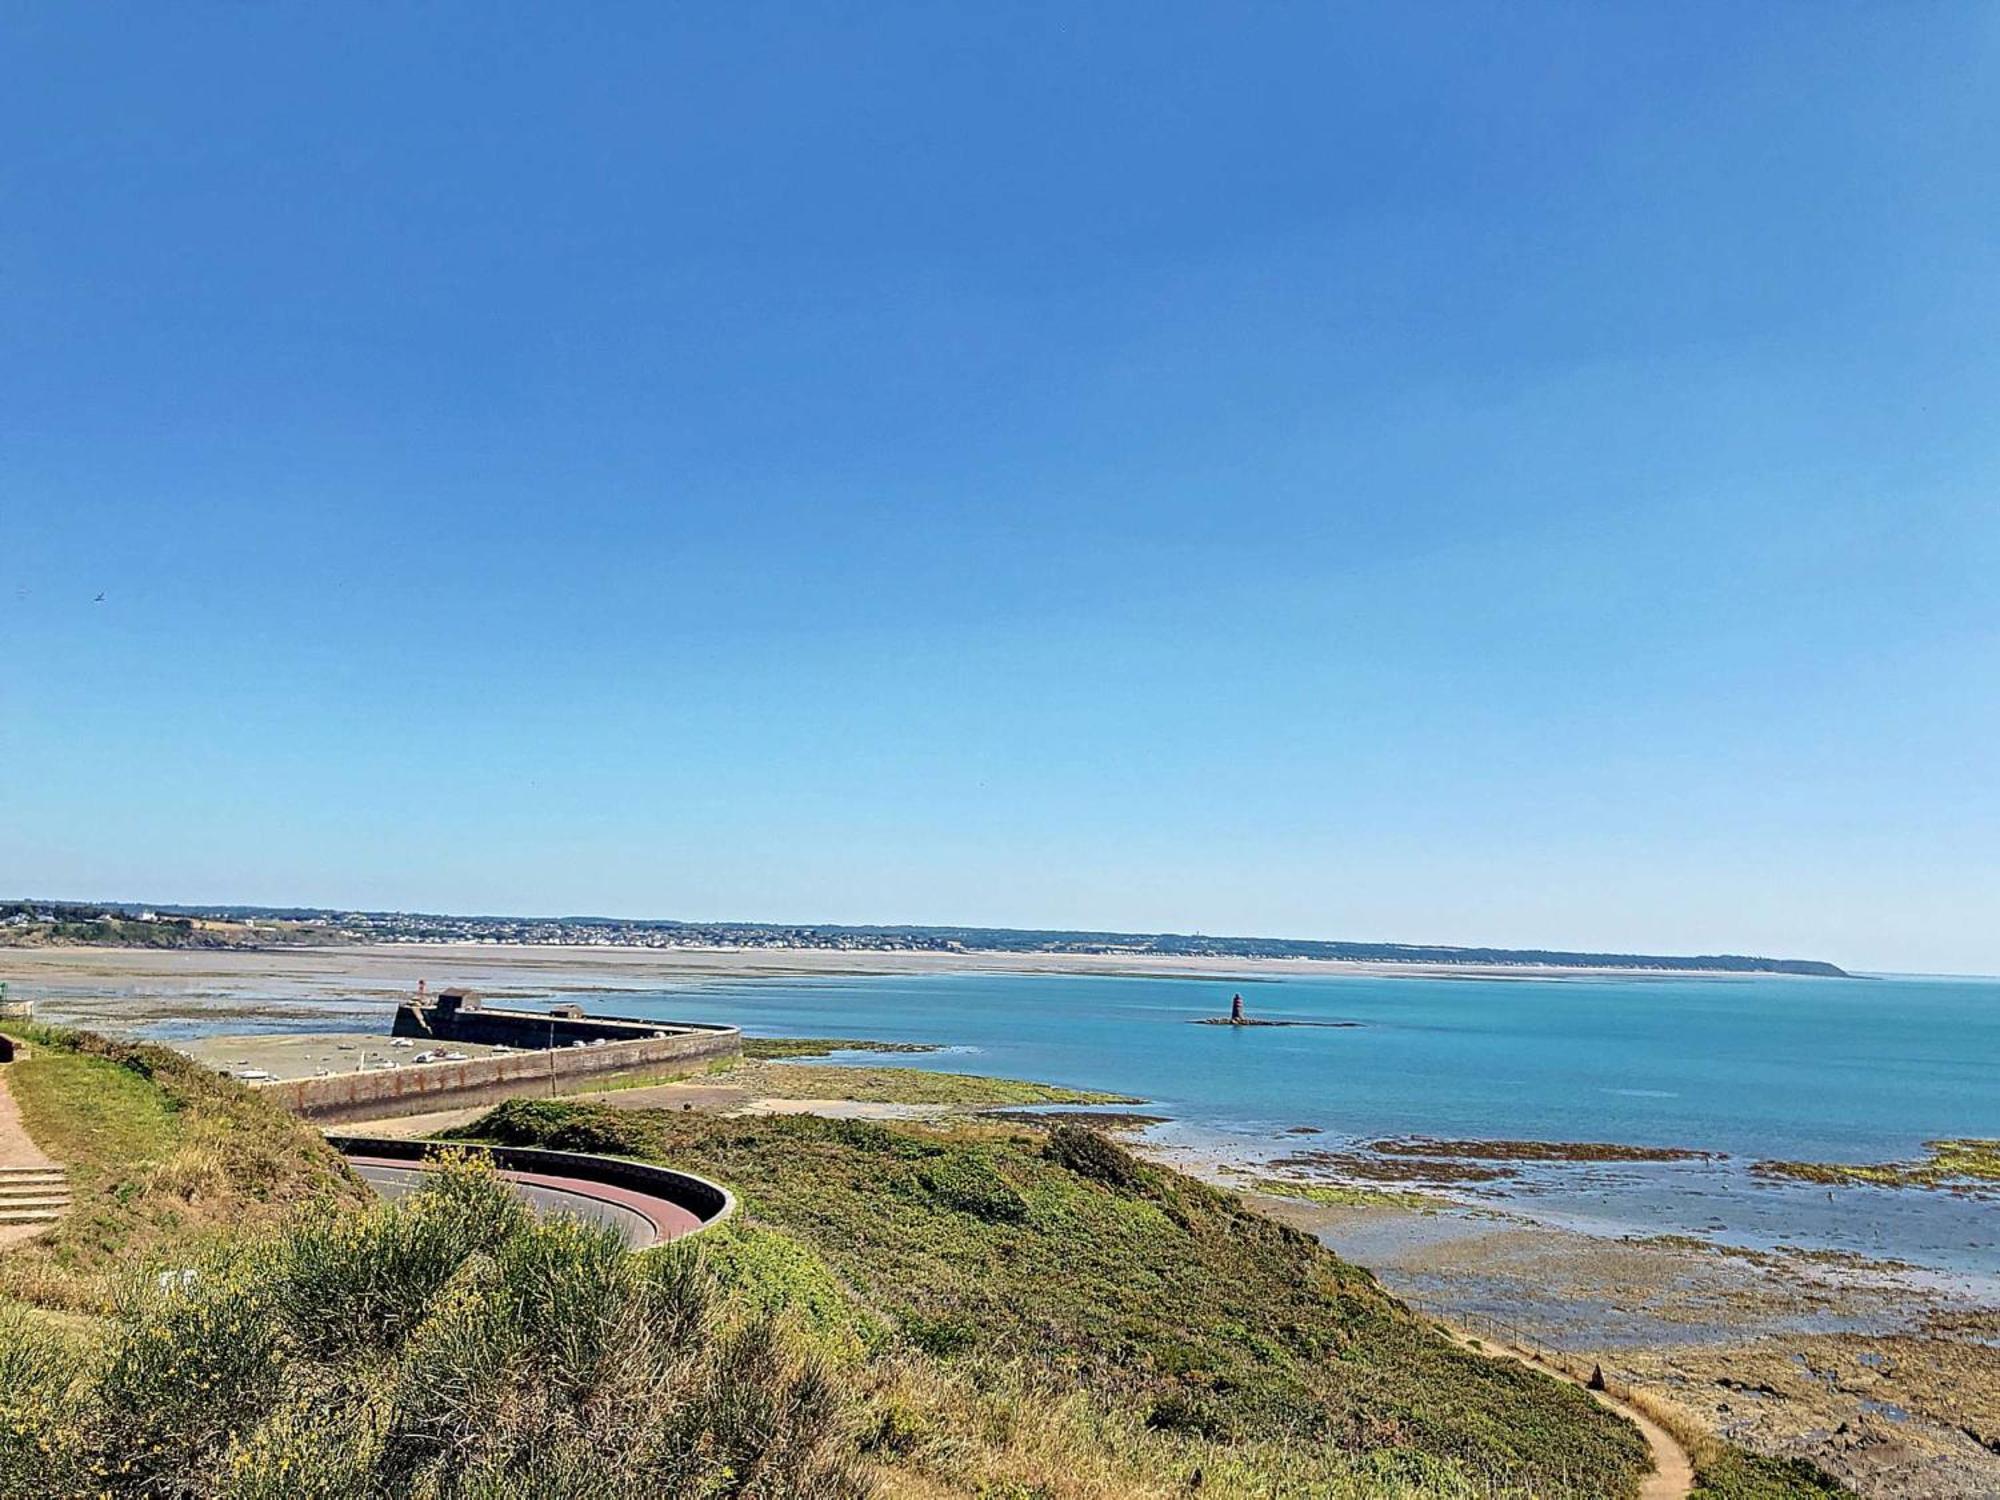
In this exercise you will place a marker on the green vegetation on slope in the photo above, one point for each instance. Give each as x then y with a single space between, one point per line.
1725 1473
105 932
442 1347
56 924
1171 1303
161 1152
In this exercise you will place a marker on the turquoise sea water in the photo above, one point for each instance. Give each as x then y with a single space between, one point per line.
1820 1070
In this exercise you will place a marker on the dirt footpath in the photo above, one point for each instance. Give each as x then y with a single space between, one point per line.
1673 1471
17 1148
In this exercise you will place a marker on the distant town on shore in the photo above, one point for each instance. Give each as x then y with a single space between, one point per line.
37 923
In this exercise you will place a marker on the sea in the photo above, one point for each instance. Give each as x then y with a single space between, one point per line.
1744 1068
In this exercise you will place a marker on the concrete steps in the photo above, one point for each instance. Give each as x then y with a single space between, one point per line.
33 1195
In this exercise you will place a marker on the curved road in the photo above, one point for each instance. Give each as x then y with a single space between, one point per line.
640 1218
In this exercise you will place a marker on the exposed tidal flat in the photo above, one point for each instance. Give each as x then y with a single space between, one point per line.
1580 1153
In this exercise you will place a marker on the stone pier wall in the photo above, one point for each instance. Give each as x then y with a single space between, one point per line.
460 1019
416 1088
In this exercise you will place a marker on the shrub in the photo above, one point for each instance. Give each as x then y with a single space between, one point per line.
968 1183
1089 1154
195 1364
38 1406
445 1347
368 1279
774 1275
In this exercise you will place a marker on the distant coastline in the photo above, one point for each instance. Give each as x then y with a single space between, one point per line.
34 923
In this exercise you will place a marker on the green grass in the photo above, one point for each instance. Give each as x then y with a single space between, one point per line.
162 1153
1172 1304
794 1080
90 1111
1732 1474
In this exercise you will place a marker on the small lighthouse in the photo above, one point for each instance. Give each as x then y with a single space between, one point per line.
1235 1010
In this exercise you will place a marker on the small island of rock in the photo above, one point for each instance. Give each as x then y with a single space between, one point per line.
1237 1018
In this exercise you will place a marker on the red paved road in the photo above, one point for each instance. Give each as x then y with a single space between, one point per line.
641 1218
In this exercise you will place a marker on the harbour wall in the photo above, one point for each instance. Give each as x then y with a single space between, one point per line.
417 1088
458 1016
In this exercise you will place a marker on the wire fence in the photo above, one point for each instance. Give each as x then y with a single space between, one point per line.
1533 1343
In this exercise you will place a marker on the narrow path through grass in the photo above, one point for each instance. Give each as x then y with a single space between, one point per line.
1673 1470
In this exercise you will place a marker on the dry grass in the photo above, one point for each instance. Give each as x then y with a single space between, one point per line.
988 1429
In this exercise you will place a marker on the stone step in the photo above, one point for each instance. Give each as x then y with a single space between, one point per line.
33 1205
7 1174
29 1216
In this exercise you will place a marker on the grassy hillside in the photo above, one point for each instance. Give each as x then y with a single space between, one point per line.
1175 1313
162 1153
1726 1473
47 924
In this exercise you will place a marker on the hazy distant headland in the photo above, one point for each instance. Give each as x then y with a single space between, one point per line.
29 923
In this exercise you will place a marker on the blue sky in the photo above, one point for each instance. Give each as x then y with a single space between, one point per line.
1517 474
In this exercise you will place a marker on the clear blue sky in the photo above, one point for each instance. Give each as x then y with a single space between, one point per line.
1517 473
